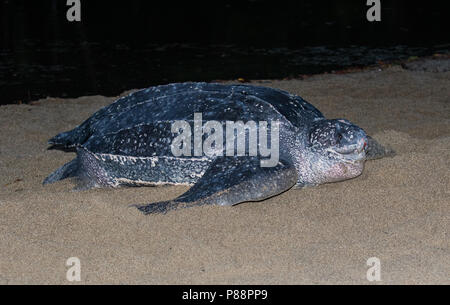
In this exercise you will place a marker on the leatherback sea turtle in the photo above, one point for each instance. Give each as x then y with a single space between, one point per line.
130 143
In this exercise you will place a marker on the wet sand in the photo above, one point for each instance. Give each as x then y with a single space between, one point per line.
398 210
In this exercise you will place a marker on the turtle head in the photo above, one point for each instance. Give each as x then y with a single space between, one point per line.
338 149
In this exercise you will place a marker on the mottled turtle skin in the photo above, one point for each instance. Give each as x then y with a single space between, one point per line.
128 143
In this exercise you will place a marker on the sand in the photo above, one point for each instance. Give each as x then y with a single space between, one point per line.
398 210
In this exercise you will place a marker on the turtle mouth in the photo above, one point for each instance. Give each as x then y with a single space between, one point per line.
350 153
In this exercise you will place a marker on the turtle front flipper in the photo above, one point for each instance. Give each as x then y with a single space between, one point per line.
229 181
375 150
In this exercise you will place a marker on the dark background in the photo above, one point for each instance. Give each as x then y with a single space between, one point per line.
133 44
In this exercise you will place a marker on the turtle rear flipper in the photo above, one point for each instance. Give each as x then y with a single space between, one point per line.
87 168
229 181
92 172
67 170
375 150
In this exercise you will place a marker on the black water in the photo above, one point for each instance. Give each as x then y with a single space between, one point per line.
137 44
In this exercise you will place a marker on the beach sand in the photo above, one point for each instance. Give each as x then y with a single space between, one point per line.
398 210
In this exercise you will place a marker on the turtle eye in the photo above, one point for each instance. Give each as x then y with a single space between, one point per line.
339 137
